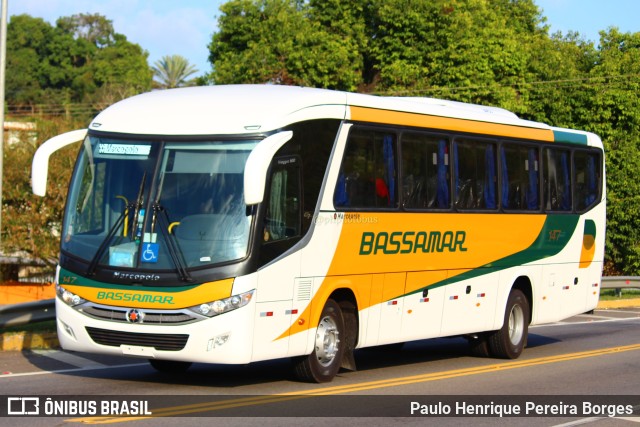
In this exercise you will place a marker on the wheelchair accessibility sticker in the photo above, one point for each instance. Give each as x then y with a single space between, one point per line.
149 252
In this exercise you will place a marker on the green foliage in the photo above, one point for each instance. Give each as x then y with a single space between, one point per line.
274 41
614 113
31 224
493 52
173 71
81 59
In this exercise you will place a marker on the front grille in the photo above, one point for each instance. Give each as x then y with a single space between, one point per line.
166 342
152 317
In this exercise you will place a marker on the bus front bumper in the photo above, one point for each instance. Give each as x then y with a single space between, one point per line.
225 339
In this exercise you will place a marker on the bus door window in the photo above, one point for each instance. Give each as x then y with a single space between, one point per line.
425 165
282 226
557 180
368 174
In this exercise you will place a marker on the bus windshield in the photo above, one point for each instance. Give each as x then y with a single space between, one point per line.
158 205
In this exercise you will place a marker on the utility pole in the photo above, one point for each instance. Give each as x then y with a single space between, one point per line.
3 66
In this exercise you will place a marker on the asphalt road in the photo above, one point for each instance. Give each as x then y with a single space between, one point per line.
588 358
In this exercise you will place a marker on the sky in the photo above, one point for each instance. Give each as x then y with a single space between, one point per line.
185 27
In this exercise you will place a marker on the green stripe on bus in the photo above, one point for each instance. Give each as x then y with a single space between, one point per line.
590 228
569 137
68 278
556 232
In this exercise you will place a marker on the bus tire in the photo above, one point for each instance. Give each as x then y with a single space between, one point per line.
324 361
170 366
509 341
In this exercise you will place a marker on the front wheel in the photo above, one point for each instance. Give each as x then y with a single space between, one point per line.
325 360
509 341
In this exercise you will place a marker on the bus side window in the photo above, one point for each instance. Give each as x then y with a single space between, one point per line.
474 174
425 165
587 176
519 189
557 180
368 175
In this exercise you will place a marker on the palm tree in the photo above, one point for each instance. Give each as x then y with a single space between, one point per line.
172 71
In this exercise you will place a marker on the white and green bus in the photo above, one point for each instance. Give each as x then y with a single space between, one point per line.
234 224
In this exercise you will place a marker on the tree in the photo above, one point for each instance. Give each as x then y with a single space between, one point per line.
75 61
275 41
94 28
390 46
614 114
80 60
42 61
494 52
30 224
172 71
118 68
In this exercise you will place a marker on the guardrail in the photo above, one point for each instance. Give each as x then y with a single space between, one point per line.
30 312
620 282
40 311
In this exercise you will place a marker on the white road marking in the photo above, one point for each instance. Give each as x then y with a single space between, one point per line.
64 371
69 359
588 322
595 419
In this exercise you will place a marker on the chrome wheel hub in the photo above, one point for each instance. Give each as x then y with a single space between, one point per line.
327 341
516 324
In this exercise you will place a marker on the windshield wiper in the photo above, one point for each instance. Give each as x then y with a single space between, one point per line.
105 243
91 270
173 247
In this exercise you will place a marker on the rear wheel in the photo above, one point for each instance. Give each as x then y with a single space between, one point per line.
170 366
509 341
325 360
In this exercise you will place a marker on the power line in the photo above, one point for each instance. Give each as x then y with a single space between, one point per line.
584 81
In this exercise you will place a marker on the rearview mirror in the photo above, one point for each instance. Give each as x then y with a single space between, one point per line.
40 164
255 170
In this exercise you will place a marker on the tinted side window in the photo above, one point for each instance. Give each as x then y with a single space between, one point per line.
557 179
520 177
283 205
368 175
425 166
474 174
313 141
587 179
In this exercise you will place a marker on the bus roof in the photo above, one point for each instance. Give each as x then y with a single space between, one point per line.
251 109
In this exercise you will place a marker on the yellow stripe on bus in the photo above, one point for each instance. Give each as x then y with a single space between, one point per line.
487 238
140 298
447 123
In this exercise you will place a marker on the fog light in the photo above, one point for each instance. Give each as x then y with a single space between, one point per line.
218 341
68 330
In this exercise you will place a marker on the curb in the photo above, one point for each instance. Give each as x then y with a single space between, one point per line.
624 303
19 341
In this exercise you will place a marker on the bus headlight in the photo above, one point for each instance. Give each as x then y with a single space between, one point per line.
221 306
69 297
